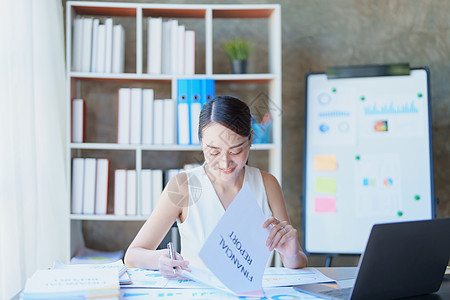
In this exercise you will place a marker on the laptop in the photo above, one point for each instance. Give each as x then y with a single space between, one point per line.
400 260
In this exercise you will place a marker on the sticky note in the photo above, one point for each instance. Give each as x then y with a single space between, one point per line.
325 185
325 162
325 204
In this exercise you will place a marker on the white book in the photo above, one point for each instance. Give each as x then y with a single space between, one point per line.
189 45
180 49
170 125
108 44
77 120
118 49
154 45
87 45
72 284
101 188
90 166
131 193
77 44
123 118
183 123
173 47
147 116
157 185
158 121
146 193
101 44
195 113
94 52
77 185
120 192
136 116
165 48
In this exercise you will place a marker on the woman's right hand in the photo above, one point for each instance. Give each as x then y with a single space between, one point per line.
172 268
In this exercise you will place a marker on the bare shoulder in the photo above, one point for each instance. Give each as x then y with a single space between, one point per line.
270 182
177 189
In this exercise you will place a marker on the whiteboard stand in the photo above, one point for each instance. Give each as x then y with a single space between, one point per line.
367 156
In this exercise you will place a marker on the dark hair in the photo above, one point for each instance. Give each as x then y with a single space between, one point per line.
229 112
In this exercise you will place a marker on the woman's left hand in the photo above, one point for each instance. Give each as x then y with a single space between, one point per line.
282 237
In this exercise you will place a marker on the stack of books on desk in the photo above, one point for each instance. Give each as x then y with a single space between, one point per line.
72 284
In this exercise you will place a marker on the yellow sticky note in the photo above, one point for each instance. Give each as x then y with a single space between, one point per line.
325 185
325 162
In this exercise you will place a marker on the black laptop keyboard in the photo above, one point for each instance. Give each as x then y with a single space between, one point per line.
338 293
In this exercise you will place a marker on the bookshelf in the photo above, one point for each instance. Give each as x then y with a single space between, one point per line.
101 88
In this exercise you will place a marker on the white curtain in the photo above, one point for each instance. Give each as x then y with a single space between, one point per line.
34 209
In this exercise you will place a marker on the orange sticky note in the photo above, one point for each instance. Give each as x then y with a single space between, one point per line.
325 204
325 162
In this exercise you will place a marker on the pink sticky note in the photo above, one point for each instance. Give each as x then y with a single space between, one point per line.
325 204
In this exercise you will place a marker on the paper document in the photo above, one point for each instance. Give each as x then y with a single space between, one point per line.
276 277
207 294
153 279
235 252
118 265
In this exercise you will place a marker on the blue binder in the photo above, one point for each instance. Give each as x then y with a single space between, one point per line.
195 108
183 112
208 90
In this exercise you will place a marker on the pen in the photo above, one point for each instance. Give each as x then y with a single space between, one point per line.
171 253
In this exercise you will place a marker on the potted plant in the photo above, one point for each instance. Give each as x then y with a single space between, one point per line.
238 51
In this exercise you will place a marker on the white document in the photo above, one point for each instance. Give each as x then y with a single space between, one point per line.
101 187
118 49
101 44
135 116
142 278
131 192
189 59
124 115
87 45
108 44
181 49
94 51
170 126
120 192
77 120
72 284
147 116
277 276
158 121
90 167
235 251
77 185
154 45
77 44
146 193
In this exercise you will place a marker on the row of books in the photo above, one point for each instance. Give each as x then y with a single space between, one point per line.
90 188
145 120
96 47
171 48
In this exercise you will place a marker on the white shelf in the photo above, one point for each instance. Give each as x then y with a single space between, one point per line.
205 13
107 218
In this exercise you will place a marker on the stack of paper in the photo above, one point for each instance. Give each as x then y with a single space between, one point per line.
89 256
72 284
117 266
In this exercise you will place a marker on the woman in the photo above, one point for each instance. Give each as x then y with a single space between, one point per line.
197 198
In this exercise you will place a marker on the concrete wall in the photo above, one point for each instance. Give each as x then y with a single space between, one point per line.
322 33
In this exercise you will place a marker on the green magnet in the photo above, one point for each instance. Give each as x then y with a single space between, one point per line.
400 213
416 197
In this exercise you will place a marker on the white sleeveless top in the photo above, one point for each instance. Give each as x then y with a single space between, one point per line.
205 210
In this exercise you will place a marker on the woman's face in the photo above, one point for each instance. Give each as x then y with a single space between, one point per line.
225 151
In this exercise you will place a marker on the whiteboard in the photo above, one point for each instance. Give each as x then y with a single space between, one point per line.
368 157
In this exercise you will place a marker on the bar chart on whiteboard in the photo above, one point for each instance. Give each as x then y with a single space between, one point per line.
367 157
